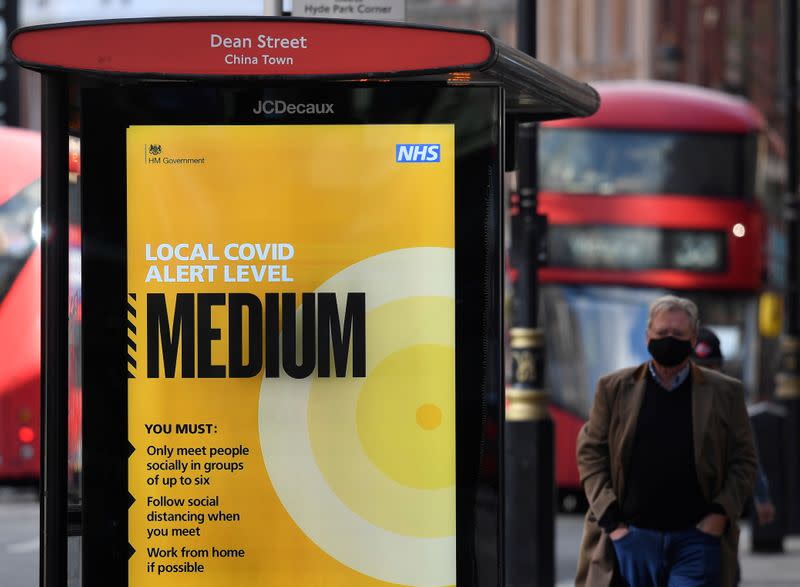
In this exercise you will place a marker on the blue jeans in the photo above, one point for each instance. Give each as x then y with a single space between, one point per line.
683 558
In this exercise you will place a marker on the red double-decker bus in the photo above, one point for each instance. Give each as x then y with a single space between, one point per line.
20 260
20 306
654 194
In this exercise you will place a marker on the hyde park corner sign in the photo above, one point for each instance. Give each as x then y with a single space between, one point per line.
386 10
289 322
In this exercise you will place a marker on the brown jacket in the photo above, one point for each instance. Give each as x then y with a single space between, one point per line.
725 460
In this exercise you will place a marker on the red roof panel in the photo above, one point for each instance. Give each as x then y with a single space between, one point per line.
655 105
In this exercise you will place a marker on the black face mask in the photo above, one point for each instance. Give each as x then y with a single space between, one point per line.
669 351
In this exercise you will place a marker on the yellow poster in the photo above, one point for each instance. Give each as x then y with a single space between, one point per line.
291 396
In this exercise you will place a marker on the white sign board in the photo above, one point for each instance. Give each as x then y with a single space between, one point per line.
355 9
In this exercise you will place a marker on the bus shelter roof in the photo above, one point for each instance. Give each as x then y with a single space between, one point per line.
301 49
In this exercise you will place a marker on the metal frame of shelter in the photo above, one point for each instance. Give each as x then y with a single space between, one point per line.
339 54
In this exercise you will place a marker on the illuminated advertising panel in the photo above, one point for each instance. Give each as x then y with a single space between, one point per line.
307 294
295 354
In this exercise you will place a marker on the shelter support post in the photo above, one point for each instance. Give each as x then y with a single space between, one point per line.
55 312
787 382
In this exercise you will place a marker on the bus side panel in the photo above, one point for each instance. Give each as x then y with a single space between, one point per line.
567 427
19 375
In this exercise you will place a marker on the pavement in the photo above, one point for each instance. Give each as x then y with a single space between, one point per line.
769 570
758 570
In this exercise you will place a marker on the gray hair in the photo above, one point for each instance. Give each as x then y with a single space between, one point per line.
669 303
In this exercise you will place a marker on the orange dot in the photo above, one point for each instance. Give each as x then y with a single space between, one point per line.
429 416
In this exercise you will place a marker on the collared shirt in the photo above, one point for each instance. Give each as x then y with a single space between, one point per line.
679 378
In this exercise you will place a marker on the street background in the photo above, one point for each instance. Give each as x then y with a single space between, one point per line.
735 46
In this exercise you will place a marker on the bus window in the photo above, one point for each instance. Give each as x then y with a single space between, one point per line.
608 162
20 223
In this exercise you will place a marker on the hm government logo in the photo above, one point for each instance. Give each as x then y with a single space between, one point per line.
418 153
153 156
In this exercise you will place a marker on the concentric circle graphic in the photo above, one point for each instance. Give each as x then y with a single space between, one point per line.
366 466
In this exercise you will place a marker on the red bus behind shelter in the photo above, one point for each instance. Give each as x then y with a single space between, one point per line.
20 307
20 280
655 193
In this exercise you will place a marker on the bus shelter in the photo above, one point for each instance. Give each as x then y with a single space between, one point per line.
285 339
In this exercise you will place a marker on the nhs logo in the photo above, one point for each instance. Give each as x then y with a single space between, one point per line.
418 153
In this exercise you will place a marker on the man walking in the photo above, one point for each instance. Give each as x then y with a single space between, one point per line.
667 462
